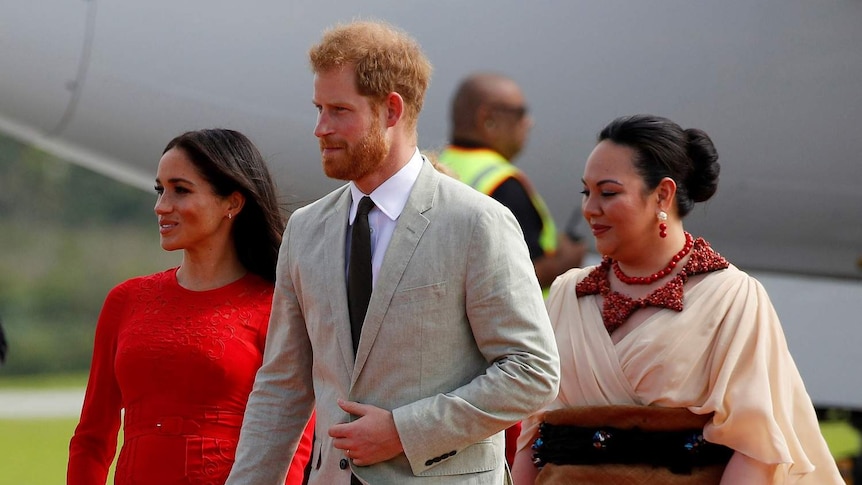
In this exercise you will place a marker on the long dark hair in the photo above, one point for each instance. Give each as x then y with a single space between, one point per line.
230 162
664 149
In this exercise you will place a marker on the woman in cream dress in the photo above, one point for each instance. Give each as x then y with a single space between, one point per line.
666 322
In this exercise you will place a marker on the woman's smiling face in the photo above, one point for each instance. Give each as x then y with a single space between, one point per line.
615 203
191 215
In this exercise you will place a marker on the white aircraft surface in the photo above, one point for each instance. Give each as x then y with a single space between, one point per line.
776 83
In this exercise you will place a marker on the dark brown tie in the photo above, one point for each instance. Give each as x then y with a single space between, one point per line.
359 278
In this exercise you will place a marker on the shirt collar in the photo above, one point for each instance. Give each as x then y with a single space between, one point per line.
391 196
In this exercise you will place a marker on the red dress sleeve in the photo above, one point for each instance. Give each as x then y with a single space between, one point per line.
94 443
512 434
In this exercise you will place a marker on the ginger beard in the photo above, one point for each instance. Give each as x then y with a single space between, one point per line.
356 161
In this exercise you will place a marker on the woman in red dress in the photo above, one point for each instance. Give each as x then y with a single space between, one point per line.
176 352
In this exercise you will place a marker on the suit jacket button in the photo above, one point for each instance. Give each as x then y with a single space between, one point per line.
429 462
343 464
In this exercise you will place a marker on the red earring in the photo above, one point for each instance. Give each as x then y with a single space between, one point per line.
662 227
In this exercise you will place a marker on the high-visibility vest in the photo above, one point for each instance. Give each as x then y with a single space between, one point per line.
485 170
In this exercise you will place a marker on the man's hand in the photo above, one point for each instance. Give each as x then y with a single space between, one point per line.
371 438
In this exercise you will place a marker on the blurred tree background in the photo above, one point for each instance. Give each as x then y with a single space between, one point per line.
67 236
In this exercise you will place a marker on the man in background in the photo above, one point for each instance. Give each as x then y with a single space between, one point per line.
490 126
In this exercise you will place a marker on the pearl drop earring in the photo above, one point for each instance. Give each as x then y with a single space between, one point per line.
662 227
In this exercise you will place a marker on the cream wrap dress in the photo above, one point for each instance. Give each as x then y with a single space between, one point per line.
724 353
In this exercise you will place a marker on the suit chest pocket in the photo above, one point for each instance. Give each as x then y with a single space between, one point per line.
421 296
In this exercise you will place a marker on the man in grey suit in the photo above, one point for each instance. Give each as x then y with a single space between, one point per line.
456 344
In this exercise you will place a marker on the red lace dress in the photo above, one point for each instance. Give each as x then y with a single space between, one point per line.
180 364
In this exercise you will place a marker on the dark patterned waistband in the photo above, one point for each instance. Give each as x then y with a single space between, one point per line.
680 451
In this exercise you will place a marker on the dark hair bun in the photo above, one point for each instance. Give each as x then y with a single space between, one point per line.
702 182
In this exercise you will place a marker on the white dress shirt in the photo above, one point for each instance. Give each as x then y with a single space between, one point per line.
389 200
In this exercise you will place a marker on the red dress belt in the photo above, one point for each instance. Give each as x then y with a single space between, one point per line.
215 424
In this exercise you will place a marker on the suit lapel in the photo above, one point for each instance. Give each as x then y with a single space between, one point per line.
408 231
336 281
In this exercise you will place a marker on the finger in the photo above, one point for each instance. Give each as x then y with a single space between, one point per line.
351 407
340 430
357 458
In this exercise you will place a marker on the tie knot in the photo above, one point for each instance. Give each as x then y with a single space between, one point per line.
365 206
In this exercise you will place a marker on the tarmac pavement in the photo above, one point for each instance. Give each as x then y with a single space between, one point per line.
25 403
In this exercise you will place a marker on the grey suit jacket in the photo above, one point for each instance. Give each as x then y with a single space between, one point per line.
456 342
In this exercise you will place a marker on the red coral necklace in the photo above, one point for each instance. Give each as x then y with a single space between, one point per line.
617 307
648 280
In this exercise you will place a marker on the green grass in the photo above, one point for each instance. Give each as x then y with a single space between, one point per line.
34 451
